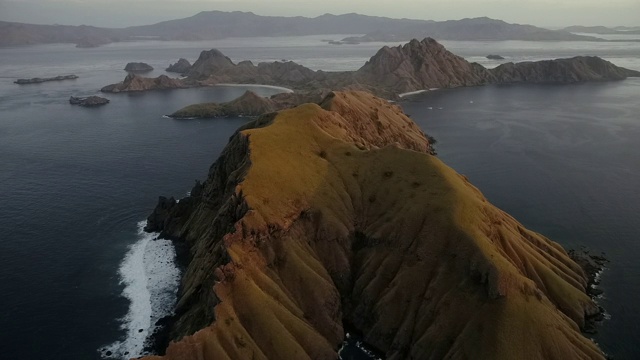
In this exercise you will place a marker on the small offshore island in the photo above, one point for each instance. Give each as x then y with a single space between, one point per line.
41 80
89 101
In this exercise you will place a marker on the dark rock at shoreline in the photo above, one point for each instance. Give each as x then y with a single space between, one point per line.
181 67
89 101
495 57
41 80
593 265
138 67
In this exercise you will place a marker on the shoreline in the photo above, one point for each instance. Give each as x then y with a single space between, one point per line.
274 87
593 266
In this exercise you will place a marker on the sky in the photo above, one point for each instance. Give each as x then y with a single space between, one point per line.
122 13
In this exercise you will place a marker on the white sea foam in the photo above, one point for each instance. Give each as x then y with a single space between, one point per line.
151 280
412 93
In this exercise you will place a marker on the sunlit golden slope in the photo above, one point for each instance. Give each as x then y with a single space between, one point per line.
332 212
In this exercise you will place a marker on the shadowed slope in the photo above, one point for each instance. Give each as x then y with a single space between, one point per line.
336 212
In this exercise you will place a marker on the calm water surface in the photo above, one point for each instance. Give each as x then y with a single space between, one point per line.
564 160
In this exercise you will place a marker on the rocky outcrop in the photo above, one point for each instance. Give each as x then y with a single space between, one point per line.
89 101
138 67
576 69
133 83
210 62
336 213
249 104
419 65
181 67
41 80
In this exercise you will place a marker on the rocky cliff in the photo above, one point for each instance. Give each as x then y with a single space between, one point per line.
336 213
417 65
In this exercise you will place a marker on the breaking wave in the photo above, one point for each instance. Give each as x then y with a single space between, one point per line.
151 278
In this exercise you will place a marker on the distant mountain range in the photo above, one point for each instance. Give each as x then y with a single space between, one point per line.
621 30
212 25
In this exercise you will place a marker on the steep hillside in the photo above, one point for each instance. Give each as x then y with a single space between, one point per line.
336 213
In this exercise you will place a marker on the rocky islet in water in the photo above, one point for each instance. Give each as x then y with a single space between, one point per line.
42 80
88 101
138 67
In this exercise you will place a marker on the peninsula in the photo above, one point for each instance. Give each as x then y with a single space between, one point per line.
336 213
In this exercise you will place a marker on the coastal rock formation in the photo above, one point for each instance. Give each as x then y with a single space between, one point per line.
41 80
138 67
213 67
89 101
249 104
134 83
181 67
336 213
419 65
210 62
576 69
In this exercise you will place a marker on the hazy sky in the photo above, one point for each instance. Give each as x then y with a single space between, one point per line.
119 13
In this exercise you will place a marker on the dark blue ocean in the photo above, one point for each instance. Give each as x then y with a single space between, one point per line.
77 276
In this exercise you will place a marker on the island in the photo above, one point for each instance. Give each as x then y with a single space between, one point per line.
181 67
495 57
41 80
89 101
336 215
138 67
